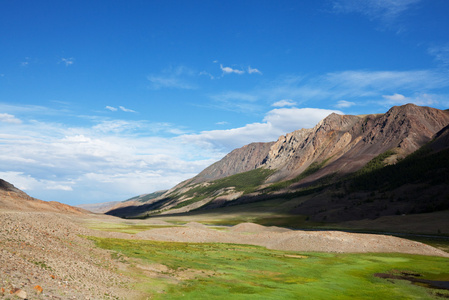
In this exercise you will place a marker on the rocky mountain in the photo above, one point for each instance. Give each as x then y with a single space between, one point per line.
13 199
337 147
246 158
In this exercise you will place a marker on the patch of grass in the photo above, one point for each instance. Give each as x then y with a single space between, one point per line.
229 271
42 265
124 227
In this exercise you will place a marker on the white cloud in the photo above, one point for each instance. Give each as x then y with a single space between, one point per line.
386 10
229 70
126 109
254 71
344 104
441 53
276 122
111 108
222 123
68 61
117 159
395 98
418 99
7 118
283 103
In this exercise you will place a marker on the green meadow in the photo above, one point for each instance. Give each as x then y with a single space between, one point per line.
230 271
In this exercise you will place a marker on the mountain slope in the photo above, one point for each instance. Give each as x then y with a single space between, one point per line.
336 147
13 199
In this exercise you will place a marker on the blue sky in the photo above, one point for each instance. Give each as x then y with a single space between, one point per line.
105 100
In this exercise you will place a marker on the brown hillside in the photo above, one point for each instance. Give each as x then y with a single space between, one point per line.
13 199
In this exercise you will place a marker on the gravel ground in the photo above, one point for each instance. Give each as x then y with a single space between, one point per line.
293 240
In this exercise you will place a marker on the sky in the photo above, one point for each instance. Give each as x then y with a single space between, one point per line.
105 100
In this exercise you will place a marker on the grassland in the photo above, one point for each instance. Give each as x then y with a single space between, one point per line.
230 271
124 227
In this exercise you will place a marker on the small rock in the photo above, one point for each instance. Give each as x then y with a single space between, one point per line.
21 294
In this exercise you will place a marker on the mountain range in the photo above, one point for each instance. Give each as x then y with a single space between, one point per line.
346 168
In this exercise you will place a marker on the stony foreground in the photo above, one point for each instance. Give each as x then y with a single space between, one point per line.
43 256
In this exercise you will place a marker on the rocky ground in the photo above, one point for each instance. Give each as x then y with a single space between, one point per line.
45 255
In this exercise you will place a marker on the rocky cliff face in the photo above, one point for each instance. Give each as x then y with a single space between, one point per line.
342 144
346 143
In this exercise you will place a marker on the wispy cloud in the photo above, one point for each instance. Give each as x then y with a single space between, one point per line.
111 108
344 104
383 9
126 109
387 12
354 86
229 70
173 77
441 53
254 71
68 61
283 103
7 118
418 99
222 123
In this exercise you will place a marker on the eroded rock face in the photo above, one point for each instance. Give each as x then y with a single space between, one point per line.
344 142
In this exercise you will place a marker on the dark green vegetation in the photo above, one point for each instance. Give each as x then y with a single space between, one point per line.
228 271
146 197
246 182
422 166
314 167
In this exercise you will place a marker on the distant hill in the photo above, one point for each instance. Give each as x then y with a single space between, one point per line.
13 199
345 168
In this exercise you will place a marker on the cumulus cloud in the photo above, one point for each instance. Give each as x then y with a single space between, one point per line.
7 118
275 123
229 70
117 159
283 103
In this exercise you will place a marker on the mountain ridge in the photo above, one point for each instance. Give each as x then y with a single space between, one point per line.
337 146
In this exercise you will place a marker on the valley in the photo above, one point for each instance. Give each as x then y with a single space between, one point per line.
357 201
